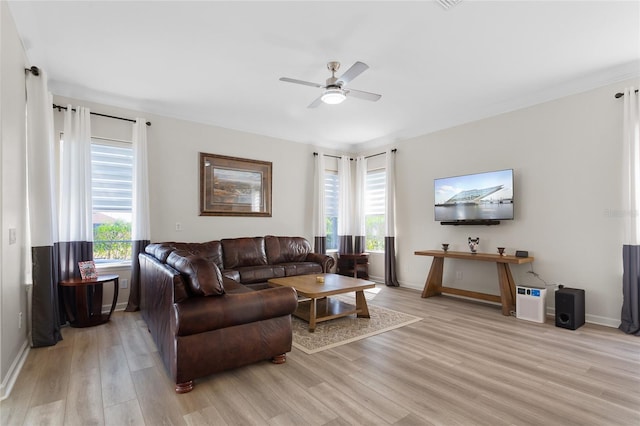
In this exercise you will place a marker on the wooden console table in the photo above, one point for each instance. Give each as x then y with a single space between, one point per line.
433 286
88 304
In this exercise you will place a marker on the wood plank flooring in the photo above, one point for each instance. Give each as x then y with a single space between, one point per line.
463 364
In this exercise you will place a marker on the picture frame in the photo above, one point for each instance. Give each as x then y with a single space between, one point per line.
231 186
88 270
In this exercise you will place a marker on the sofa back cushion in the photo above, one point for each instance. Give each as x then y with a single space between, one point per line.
210 250
286 249
203 276
246 251
160 250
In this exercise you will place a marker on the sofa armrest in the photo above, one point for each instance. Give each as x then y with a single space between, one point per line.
324 260
202 314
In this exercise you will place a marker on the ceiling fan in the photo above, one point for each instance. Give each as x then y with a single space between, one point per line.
335 90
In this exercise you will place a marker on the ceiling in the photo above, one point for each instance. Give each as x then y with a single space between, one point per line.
220 62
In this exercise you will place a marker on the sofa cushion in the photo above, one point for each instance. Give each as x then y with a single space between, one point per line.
210 250
301 268
160 251
286 249
256 274
203 276
239 252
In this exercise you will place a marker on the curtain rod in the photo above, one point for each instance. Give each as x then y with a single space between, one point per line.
368 156
36 71
620 94
60 107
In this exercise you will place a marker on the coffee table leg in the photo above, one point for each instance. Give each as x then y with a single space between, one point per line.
361 305
312 315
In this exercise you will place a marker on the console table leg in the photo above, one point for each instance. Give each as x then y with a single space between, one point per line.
507 288
433 285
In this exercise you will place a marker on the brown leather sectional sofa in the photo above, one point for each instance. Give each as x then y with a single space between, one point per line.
208 306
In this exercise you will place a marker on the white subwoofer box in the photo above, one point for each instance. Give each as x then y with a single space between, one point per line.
531 304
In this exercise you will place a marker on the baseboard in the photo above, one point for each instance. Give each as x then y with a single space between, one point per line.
591 319
14 371
119 307
377 280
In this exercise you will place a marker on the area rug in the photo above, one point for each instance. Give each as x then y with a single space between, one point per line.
341 331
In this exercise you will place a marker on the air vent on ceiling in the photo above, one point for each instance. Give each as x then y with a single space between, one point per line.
448 4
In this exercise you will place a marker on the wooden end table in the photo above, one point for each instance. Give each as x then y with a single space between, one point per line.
88 303
319 307
355 265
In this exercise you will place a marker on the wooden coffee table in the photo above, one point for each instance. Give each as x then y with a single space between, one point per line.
319 307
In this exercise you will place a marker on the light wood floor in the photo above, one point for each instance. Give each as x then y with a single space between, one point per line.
464 364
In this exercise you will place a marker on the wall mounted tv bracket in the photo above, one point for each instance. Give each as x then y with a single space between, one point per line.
471 222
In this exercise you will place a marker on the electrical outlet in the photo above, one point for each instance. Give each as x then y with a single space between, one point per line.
19 320
458 275
124 283
178 226
12 236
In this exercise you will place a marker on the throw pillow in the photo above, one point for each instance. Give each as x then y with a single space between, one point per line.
204 277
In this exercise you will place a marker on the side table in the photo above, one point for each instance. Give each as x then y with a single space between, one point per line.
87 314
354 265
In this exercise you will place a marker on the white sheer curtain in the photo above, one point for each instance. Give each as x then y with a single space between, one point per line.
41 265
76 222
630 315
359 245
390 276
345 235
319 226
140 224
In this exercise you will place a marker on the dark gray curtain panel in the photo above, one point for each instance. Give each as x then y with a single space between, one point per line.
137 247
68 254
630 317
359 244
390 276
45 302
320 245
345 244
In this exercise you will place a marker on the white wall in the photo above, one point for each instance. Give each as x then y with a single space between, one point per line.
174 147
13 340
566 155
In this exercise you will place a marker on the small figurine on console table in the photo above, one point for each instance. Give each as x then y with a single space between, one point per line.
473 244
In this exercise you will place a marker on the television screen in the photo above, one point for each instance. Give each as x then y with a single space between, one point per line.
476 197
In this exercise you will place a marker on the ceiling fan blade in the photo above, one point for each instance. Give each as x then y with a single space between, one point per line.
355 70
306 83
316 102
363 95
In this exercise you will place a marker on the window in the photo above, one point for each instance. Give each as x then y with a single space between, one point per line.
112 194
331 189
374 210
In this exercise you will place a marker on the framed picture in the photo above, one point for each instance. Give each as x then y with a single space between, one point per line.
88 270
231 186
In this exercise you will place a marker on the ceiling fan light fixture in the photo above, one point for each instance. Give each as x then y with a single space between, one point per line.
333 96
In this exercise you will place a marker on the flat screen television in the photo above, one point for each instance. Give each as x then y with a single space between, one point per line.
480 198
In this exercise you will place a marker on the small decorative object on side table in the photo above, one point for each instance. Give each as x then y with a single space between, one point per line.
445 246
501 251
88 304
354 265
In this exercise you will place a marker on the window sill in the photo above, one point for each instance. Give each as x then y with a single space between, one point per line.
113 266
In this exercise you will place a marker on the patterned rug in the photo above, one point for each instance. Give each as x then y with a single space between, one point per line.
341 331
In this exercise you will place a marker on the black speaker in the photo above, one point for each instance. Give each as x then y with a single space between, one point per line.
570 308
